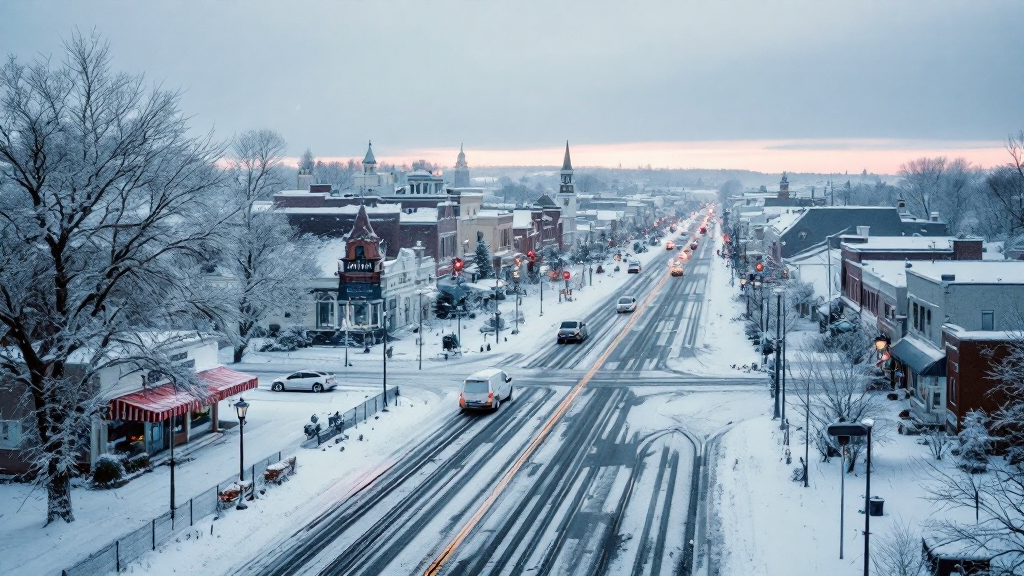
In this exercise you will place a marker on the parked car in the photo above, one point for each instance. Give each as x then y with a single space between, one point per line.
312 380
676 270
669 245
484 390
625 304
842 326
634 267
693 246
572 330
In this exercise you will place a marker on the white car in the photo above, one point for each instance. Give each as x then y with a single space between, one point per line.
625 304
486 389
312 380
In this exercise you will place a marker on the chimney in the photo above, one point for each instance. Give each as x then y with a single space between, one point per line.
862 231
934 217
901 206
305 180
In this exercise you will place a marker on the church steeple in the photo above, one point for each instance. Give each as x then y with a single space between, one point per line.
460 162
461 172
566 186
369 162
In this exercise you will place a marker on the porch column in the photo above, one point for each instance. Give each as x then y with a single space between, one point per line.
214 414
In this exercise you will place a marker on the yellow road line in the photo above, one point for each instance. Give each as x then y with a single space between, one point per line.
449 550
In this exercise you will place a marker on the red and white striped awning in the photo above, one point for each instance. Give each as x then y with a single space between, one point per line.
162 402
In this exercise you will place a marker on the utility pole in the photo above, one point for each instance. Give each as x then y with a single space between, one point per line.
775 385
420 331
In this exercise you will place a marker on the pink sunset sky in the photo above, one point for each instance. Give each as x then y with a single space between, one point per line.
769 156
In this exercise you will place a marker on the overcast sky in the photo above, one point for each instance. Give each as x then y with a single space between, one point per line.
662 76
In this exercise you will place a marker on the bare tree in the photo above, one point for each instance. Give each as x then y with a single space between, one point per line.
269 266
837 391
337 174
938 441
940 185
897 552
105 207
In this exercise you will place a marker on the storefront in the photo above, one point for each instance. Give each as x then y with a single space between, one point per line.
925 368
146 420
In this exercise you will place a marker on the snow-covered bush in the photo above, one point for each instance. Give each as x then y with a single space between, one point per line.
136 463
974 442
109 471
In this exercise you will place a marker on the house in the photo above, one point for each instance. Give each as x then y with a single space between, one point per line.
956 309
143 411
791 233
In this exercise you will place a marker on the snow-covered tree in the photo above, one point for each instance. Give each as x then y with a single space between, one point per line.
974 442
482 259
269 267
837 392
106 204
306 162
337 174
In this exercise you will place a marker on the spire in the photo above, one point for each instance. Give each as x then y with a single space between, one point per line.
461 161
361 229
369 159
566 164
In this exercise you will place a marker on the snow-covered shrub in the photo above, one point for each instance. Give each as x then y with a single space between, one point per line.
974 442
109 471
938 442
136 463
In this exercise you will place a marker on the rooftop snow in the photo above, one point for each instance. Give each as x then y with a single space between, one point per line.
522 219
903 243
892 272
328 255
424 215
352 209
300 193
971 271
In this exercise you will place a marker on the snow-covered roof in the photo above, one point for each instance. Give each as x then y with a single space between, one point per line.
328 255
423 215
903 243
491 213
262 205
301 193
993 251
608 215
892 272
522 219
970 271
352 209
962 334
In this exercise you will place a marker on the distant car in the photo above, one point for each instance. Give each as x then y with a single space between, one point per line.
572 330
669 245
676 270
842 326
693 246
625 304
703 229
633 268
311 380
485 390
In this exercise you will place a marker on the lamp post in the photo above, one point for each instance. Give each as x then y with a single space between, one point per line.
348 310
420 330
384 349
241 407
778 338
843 431
784 425
746 292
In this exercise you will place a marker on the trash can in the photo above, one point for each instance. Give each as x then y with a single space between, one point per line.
875 506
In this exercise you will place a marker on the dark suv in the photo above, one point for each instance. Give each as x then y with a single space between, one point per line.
574 330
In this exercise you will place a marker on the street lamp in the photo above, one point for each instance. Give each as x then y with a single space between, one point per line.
384 349
241 407
843 431
420 330
778 339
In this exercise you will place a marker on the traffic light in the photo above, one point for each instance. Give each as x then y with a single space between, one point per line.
457 266
759 267
566 275
531 256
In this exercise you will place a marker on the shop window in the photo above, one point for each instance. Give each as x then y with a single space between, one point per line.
126 437
10 434
988 320
952 390
201 416
324 311
916 325
928 313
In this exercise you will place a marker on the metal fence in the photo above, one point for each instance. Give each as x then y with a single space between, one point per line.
118 554
360 413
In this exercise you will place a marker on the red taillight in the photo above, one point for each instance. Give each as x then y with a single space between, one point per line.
490 395
462 400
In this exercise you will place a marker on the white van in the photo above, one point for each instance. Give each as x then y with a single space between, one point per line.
485 390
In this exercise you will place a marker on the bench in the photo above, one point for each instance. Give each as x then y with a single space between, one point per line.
278 472
233 491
